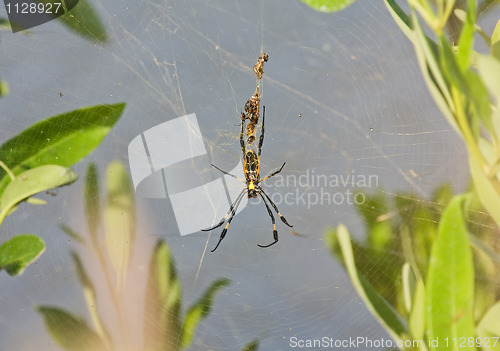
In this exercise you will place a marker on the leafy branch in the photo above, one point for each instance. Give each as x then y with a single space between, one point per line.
37 160
441 294
164 326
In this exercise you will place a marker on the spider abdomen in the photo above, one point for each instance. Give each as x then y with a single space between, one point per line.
251 162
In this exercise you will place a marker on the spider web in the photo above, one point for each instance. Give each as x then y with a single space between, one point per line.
343 96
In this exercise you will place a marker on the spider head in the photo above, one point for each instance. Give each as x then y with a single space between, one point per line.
251 190
252 193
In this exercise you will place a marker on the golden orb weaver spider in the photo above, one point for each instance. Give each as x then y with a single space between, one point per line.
251 169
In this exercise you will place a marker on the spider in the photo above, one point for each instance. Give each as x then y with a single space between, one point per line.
252 112
258 69
252 106
251 169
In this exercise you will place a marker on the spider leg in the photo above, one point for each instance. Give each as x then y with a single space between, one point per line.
227 173
283 219
242 141
275 232
232 209
261 139
233 212
274 173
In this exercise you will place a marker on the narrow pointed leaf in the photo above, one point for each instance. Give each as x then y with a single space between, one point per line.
91 200
200 311
450 280
84 21
462 16
408 282
17 253
372 299
428 58
70 332
91 299
401 18
495 42
119 219
469 84
60 140
466 42
416 320
162 328
72 233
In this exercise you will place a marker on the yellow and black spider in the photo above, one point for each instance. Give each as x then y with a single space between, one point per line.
251 169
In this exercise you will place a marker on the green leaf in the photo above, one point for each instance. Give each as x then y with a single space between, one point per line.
36 201
199 311
61 140
414 290
450 65
251 346
480 98
401 18
485 189
489 70
376 259
416 320
70 332
84 21
90 298
450 280
428 58
32 182
462 16
408 282
495 42
466 41
372 299
381 235
162 326
5 24
469 84
411 267
17 253
91 200
72 233
119 219
489 327
328 5
4 88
